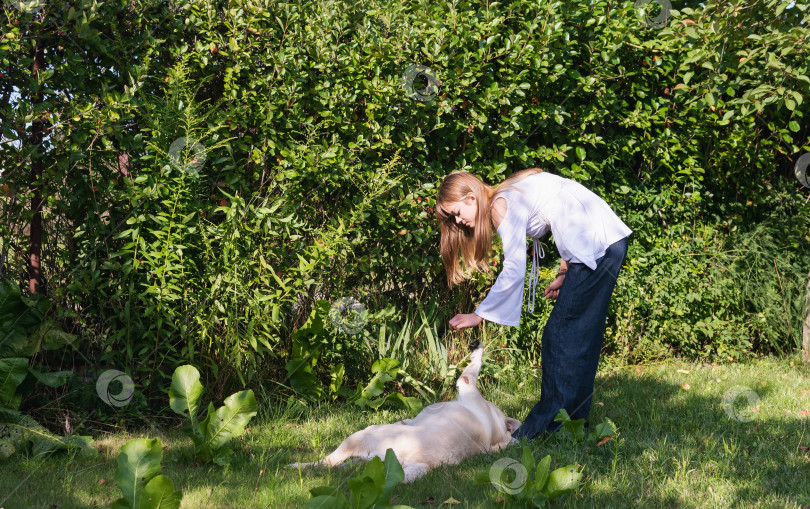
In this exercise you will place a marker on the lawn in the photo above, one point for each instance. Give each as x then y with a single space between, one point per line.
682 447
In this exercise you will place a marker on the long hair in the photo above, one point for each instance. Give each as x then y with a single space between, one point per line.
473 244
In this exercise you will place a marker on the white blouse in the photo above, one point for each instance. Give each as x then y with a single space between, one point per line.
582 224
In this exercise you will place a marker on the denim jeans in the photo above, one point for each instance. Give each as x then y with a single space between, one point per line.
572 342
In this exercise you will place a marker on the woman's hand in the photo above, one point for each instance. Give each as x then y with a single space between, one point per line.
460 321
553 289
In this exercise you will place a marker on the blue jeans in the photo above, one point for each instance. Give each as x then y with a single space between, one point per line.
572 342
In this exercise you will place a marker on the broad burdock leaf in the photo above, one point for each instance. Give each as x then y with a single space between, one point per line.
230 419
185 392
138 462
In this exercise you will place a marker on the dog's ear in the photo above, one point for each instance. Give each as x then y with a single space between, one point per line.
512 425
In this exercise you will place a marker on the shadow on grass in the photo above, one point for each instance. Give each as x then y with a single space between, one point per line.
681 449
687 448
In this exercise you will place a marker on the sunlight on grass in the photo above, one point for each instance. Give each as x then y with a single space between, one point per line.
687 444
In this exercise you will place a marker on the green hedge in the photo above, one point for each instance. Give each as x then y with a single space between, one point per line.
320 169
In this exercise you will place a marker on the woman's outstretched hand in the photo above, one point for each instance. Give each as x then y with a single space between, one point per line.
461 321
553 289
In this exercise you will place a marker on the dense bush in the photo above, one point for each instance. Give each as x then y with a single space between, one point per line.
309 171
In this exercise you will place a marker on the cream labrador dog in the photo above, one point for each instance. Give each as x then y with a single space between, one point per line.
441 434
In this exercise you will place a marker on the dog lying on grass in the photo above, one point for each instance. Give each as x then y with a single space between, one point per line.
441 434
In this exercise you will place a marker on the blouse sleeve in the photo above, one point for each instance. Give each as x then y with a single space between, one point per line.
504 301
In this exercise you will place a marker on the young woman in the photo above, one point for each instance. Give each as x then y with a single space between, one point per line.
592 242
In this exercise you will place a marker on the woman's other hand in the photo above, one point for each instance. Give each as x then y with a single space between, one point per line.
461 321
553 289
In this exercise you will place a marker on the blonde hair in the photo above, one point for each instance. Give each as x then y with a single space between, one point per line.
473 244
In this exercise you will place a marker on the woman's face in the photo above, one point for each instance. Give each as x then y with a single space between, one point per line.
464 210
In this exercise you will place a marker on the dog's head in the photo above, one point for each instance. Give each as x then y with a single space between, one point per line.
504 427
509 425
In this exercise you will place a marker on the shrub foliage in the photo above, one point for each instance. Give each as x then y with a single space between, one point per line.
210 170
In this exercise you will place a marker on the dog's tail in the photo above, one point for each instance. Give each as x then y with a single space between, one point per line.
469 377
347 449
335 460
310 464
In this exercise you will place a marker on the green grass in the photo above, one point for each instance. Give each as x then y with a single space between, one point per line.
681 449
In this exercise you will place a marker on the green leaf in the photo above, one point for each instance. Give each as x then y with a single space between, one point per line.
230 419
336 501
159 494
540 499
314 325
120 504
185 392
390 366
52 337
138 462
198 436
412 405
562 480
54 379
367 488
386 370
606 428
7 448
18 321
303 379
576 428
393 475
527 460
793 126
12 372
687 76
581 153
323 491
336 379
222 456
541 475
19 430
482 478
